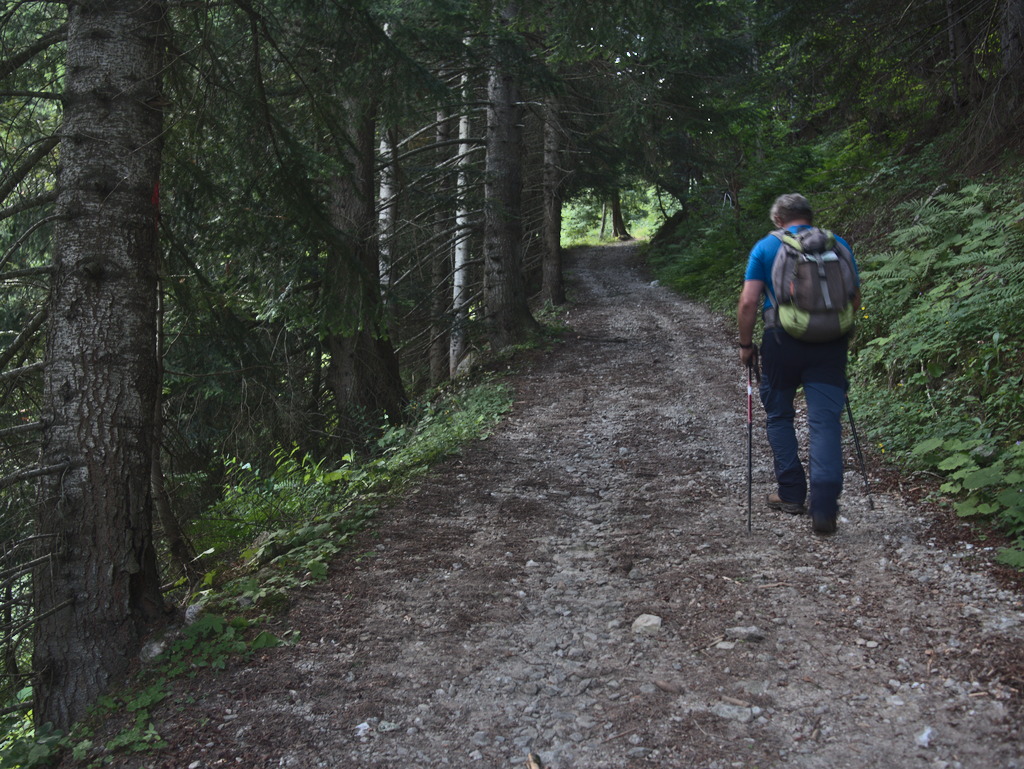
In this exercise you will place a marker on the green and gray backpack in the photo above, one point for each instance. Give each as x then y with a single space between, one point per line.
814 283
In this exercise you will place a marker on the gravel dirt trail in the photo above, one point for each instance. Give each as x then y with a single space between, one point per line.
490 613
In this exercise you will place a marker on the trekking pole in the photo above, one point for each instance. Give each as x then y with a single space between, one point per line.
750 449
752 371
860 455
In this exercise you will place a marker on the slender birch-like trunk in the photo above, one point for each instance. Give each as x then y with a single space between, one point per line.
460 266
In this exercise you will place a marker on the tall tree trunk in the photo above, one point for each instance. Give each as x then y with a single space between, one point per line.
460 258
387 201
100 589
961 53
618 222
552 287
1012 46
507 313
388 205
363 374
10 668
180 548
440 267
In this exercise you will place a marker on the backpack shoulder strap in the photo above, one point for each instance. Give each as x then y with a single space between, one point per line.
787 238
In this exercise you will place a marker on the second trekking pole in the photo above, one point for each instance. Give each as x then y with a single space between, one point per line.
750 448
751 373
860 455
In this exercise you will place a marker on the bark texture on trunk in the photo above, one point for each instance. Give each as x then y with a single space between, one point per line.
441 267
100 588
388 204
618 222
179 546
967 84
363 374
1012 47
553 289
460 255
507 313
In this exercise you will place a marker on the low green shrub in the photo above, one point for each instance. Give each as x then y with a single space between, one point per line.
940 355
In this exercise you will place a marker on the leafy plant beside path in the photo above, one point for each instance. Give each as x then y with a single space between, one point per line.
276 532
941 368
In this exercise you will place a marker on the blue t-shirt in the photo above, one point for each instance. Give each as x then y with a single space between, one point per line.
762 256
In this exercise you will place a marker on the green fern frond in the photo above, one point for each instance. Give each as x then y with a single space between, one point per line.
912 235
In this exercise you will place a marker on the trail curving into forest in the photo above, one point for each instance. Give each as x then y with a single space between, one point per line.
490 614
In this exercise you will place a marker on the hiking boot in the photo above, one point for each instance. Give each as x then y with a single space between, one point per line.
823 524
775 502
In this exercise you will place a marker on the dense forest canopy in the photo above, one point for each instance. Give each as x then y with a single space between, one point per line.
239 235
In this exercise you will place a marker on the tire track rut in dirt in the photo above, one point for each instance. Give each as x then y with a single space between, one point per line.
490 612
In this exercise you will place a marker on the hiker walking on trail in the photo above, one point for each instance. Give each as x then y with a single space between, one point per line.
809 282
